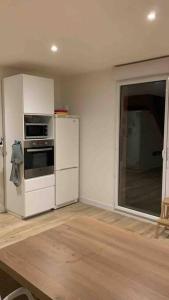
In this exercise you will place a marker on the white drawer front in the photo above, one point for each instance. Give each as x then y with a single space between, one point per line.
39 183
39 201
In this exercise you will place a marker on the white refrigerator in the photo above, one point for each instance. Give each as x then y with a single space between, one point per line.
66 159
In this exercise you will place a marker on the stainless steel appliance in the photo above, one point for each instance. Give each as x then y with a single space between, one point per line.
36 130
38 158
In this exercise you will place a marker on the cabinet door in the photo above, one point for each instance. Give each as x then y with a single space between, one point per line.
38 95
67 186
67 143
39 201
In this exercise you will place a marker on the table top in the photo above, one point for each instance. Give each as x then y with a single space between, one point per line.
86 259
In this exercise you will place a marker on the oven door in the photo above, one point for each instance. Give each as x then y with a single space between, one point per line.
38 161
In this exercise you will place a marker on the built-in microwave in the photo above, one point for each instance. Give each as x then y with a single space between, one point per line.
36 131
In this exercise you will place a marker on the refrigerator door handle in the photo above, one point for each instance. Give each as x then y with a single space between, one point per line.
66 169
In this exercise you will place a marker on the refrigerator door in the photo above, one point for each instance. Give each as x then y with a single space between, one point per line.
66 143
67 186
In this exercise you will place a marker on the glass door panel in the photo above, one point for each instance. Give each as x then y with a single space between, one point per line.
142 111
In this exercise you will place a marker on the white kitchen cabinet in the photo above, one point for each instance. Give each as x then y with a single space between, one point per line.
26 94
38 95
67 186
39 201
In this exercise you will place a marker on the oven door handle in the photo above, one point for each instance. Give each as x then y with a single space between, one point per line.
39 149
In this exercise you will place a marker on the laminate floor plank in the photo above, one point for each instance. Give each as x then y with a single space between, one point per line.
13 229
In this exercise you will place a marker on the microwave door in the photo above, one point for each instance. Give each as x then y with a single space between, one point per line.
36 131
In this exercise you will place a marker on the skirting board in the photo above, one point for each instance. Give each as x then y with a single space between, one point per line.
111 208
97 204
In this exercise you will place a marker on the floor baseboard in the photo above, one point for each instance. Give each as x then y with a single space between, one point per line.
113 209
97 204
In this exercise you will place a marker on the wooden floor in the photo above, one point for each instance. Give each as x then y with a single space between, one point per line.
13 229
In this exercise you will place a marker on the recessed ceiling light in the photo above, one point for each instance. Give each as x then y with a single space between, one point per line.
151 16
54 48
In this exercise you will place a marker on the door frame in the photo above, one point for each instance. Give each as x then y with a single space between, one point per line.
117 141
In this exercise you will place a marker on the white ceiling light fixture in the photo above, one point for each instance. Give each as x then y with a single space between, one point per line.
151 16
54 48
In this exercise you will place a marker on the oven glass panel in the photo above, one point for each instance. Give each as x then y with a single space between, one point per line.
39 159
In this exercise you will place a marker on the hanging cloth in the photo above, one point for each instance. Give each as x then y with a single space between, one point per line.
16 160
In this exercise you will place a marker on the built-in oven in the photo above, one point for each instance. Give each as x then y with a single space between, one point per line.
38 158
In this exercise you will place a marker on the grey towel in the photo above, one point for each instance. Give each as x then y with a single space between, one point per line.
16 160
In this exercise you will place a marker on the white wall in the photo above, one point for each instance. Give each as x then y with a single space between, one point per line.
4 72
93 97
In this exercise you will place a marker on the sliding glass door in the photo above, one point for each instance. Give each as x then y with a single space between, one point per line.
141 141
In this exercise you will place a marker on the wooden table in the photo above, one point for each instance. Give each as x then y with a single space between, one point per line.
89 260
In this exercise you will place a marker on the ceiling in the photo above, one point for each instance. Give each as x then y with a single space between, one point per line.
91 34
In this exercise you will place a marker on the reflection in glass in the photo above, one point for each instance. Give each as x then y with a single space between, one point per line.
141 144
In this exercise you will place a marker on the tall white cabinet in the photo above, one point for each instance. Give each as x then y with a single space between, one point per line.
66 159
26 94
